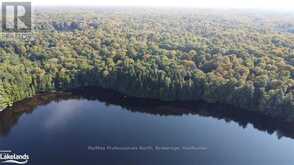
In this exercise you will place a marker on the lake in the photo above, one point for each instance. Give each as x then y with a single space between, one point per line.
108 128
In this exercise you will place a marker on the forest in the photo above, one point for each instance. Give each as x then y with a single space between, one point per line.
239 58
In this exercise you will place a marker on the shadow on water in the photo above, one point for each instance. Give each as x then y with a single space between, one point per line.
10 117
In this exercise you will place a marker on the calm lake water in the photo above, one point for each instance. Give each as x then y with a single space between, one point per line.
66 129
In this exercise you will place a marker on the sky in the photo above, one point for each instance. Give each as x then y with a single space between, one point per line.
256 4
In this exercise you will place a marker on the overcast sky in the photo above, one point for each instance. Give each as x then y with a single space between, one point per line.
262 4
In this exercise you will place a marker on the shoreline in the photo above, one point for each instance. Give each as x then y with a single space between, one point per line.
227 113
111 94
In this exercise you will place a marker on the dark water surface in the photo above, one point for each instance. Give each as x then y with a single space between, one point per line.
75 129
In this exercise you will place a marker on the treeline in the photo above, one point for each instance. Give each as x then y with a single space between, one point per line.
165 54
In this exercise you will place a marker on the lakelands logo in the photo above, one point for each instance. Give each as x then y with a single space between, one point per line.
12 158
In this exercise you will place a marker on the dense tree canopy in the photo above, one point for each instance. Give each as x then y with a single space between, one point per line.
245 59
